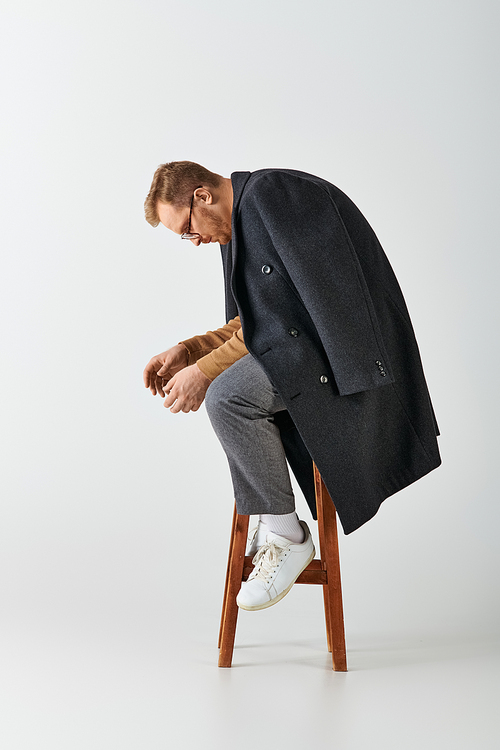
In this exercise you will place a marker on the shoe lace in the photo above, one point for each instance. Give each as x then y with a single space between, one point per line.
252 534
266 560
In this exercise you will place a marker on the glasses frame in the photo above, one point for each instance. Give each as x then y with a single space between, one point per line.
191 235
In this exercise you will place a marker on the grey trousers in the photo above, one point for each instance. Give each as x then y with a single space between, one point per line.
241 403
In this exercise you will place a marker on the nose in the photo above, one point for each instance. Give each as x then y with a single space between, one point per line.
196 241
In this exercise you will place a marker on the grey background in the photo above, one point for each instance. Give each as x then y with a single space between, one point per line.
116 513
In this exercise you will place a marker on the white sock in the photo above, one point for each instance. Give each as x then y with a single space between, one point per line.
286 525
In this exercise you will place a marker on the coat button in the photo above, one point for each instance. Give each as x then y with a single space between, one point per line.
266 269
293 332
323 379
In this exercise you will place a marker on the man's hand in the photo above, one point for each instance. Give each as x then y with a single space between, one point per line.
186 390
163 367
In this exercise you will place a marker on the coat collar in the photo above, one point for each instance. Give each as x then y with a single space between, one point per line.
228 251
238 181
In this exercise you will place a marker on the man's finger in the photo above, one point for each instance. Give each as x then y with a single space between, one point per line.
170 399
146 376
177 407
160 386
163 372
170 390
149 377
169 383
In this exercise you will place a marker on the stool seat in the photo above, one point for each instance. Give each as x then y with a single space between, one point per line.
324 570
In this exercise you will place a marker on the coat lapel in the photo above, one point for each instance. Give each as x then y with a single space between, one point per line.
238 180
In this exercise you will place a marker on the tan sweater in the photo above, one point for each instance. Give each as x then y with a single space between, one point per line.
217 350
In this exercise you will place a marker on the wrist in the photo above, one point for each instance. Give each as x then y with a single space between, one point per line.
205 377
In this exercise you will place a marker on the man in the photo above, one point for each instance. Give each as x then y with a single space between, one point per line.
317 361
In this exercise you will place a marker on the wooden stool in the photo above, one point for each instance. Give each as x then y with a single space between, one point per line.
325 571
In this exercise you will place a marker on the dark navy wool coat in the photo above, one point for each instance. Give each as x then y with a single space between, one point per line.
323 313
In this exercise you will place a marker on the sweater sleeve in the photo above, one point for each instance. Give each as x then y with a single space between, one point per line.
217 350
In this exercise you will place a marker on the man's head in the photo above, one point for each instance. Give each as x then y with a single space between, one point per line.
186 197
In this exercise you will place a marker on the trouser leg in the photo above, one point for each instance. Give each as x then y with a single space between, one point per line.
241 403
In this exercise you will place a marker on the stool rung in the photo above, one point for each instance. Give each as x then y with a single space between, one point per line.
314 573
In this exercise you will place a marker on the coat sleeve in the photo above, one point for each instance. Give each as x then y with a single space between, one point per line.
312 242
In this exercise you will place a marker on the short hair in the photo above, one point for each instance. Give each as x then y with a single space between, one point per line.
174 183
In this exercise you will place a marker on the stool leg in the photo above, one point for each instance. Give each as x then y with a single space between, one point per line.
234 579
229 558
328 619
332 590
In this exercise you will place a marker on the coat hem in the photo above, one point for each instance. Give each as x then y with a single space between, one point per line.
350 525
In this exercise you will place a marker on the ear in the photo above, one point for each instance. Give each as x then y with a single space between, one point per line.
204 194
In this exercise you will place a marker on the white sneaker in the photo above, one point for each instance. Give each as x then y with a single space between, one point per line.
256 538
278 564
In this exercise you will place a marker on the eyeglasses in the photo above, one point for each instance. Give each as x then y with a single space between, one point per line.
190 235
